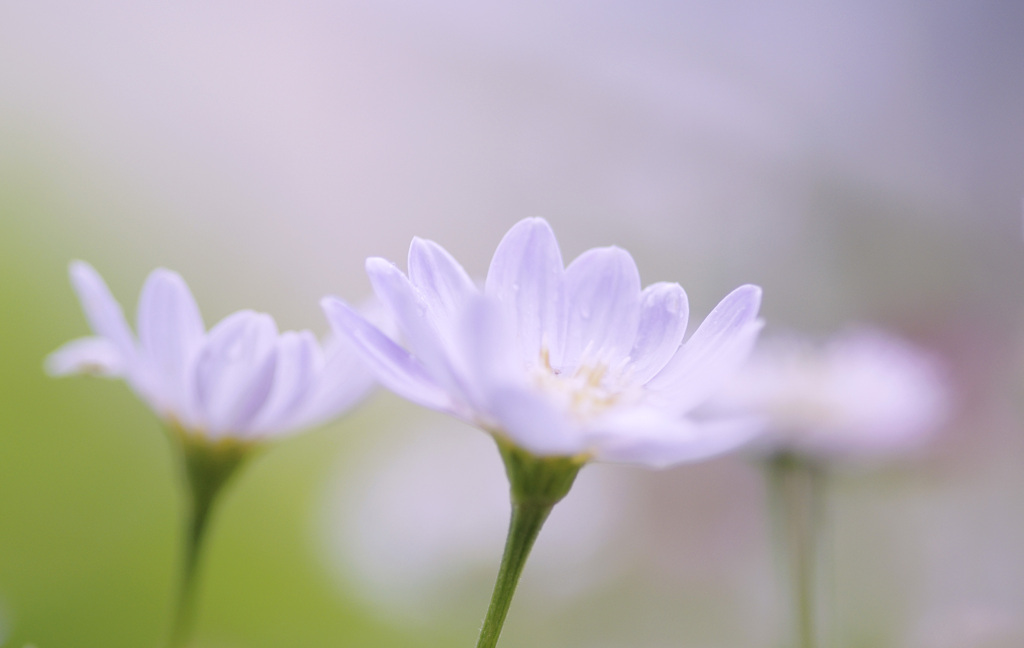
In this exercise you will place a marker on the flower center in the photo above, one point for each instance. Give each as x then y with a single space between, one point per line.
584 392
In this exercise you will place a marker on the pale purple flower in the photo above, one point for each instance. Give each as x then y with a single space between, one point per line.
863 393
241 379
566 361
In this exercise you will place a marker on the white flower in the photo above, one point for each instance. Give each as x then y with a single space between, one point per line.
863 392
575 361
241 379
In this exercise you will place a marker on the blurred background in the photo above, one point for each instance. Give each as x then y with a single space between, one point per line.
863 162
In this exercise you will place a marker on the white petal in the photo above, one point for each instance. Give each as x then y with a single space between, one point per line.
393 366
343 380
603 291
654 438
294 370
91 355
486 353
170 331
101 309
527 277
530 421
713 353
416 322
440 279
234 372
663 315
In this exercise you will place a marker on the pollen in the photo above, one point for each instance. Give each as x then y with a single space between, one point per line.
584 391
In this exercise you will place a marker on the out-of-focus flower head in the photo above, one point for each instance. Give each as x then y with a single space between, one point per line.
863 393
242 379
573 361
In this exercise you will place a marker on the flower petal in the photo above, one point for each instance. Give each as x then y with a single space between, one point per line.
101 309
91 355
393 366
440 279
527 277
713 353
532 422
603 291
654 438
170 331
486 353
298 355
343 380
234 372
664 311
416 322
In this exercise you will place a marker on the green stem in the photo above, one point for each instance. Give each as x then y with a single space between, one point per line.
522 531
207 467
190 557
536 485
796 491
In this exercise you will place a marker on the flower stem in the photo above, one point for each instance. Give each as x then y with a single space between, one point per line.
207 467
536 485
523 529
796 491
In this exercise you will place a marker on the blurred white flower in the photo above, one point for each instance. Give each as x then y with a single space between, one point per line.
862 393
241 379
575 361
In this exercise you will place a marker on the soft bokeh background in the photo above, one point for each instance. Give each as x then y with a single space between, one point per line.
861 161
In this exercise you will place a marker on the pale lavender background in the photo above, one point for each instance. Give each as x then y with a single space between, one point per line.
861 161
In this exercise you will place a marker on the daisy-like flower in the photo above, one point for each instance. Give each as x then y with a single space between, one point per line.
242 380
864 393
220 393
574 362
561 365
